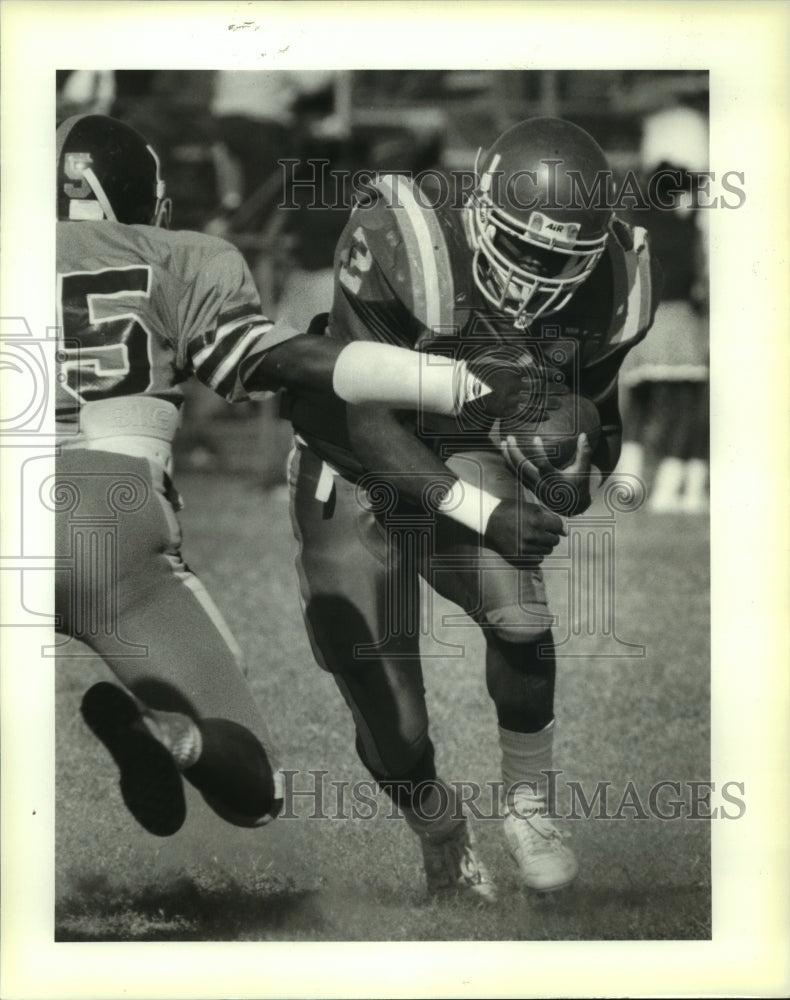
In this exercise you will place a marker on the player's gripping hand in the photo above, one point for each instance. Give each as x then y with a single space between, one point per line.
517 529
500 389
567 491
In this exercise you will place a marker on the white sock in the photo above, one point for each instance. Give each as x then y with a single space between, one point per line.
525 759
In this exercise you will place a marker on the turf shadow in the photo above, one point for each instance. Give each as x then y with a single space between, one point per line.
183 910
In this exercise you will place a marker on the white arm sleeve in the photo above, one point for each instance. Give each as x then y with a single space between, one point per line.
368 372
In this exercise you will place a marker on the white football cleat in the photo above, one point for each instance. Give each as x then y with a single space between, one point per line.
453 868
544 861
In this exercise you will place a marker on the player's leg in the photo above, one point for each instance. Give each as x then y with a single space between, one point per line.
685 445
342 567
520 677
158 631
665 440
350 572
633 407
511 607
696 496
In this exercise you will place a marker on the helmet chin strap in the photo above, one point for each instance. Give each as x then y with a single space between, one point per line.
164 208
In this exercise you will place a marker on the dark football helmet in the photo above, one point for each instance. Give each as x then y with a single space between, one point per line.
538 217
107 170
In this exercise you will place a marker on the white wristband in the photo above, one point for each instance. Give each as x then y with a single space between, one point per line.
368 372
469 506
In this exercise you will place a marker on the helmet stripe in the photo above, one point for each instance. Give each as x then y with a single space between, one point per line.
98 190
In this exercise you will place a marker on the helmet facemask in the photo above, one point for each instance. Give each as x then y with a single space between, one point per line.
527 267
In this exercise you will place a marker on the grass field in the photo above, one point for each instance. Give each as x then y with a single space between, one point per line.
619 720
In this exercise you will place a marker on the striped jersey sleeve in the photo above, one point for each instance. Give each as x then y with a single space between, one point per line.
223 327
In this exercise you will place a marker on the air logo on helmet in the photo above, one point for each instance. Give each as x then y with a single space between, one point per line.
556 232
74 166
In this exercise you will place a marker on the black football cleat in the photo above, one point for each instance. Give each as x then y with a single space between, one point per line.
151 784
453 869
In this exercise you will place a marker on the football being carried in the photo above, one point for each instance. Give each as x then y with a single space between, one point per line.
550 444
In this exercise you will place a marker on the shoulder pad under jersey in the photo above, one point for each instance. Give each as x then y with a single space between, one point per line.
400 243
633 279
636 291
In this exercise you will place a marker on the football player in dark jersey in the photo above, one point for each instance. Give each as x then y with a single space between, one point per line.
141 309
535 263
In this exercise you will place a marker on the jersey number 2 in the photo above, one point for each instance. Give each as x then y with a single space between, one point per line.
105 349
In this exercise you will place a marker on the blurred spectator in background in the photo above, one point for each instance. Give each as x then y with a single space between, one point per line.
259 118
84 91
256 114
665 378
221 134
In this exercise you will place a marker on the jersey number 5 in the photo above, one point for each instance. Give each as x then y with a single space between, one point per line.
105 347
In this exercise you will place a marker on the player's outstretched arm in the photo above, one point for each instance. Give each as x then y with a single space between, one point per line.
387 447
365 372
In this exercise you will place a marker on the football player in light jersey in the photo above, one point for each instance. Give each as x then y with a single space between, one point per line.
141 309
526 265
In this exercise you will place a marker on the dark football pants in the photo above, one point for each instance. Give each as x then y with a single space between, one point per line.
356 578
123 589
